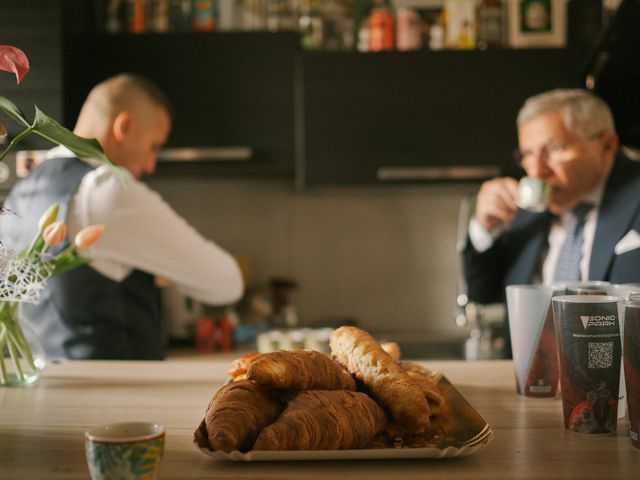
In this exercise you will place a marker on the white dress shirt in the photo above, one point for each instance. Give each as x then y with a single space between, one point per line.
482 239
143 232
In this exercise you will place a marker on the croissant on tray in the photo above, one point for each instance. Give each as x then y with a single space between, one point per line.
324 420
238 369
422 377
299 370
237 413
386 381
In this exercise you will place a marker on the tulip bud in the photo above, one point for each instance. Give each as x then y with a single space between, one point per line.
48 217
88 236
55 233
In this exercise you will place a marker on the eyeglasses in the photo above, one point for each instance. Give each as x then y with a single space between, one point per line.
551 153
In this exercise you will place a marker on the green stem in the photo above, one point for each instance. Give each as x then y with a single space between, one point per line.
15 141
4 379
21 344
16 361
12 337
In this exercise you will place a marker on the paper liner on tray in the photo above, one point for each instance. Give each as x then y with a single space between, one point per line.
461 431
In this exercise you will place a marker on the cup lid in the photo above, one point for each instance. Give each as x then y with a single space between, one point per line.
586 298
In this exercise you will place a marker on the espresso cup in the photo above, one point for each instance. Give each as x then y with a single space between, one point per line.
128 450
533 194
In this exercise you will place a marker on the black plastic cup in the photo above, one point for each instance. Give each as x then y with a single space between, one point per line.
589 353
631 314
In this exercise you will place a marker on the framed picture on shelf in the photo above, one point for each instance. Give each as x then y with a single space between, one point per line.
537 23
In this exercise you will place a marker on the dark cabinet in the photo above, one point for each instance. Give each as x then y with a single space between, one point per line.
446 115
230 91
325 117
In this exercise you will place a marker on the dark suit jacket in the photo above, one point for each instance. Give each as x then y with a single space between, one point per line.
516 255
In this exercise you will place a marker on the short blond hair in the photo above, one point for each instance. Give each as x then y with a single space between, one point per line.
122 92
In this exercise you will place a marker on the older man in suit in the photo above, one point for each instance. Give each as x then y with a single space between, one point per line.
566 138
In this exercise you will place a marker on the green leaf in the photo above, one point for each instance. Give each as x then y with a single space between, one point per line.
69 262
48 128
13 111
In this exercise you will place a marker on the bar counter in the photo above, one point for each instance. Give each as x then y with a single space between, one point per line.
42 427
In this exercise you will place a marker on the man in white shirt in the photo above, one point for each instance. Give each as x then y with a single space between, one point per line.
566 138
110 309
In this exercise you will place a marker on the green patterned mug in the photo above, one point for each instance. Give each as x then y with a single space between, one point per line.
123 451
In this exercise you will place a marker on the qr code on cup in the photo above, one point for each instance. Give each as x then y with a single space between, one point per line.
600 354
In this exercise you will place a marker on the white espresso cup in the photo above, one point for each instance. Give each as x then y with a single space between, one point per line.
533 194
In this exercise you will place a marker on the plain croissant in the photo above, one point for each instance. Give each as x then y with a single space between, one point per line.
387 382
324 420
299 370
238 369
236 413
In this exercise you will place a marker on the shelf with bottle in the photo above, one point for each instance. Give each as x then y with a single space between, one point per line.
354 25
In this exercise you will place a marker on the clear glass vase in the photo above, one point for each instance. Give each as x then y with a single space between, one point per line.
23 358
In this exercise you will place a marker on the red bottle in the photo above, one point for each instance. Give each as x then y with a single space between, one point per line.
381 29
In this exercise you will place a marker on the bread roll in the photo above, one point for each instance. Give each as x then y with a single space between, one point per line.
387 382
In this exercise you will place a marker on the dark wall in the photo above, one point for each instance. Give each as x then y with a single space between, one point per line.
34 27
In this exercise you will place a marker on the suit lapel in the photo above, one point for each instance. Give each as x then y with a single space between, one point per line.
619 203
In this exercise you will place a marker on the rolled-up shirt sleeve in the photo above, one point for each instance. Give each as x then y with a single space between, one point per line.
143 232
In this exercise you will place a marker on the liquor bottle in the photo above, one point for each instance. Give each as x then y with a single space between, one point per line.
491 24
408 29
134 20
180 15
310 25
381 27
203 15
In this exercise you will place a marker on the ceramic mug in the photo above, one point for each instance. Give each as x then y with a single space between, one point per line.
128 450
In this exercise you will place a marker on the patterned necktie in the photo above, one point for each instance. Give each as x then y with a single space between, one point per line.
568 265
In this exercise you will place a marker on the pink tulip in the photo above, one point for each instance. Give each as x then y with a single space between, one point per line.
54 233
88 236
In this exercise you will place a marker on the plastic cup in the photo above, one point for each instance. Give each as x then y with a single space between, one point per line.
631 356
589 353
533 340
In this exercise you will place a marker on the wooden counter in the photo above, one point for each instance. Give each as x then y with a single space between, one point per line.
41 427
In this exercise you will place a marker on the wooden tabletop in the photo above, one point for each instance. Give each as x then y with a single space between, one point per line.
42 427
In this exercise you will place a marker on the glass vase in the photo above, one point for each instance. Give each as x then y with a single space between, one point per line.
23 358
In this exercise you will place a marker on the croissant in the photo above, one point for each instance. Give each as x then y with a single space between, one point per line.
299 370
238 369
431 393
384 378
324 420
236 413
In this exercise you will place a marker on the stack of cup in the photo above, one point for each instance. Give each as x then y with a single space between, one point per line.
533 339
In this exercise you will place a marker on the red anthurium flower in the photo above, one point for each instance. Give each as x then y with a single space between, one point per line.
14 60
